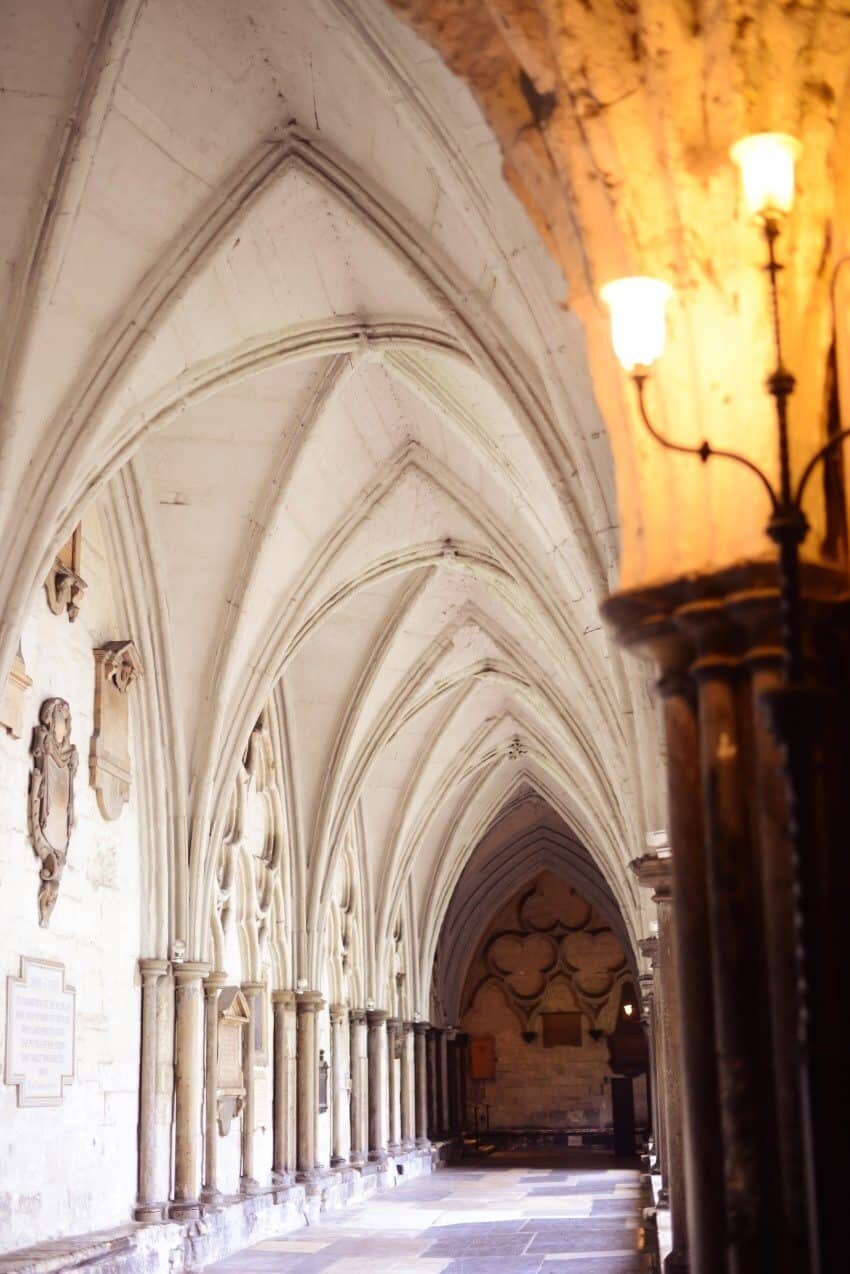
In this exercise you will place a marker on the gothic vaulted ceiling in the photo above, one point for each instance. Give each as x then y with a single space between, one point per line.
278 317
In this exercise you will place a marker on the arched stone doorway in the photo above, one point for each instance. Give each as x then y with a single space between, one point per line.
536 980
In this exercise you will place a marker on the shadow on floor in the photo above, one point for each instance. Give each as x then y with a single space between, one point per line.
534 1211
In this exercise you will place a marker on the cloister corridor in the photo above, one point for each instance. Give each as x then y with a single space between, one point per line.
424 636
513 1212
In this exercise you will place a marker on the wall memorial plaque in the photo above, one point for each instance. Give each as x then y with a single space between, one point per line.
117 666
40 1022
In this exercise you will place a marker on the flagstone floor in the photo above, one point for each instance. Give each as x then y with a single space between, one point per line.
514 1213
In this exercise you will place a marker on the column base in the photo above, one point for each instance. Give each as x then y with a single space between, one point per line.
211 1197
394 1148
663 1200
150 1212
308 1177
184 1210
422 1143
407 1145
339 1161
379 1158
357 1159
249 1185
282 1178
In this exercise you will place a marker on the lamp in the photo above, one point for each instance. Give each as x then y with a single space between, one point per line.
638 319
766 162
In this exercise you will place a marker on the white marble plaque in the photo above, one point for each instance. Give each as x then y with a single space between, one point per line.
40 1021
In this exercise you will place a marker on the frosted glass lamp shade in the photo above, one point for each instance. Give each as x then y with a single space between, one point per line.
766 161
638 308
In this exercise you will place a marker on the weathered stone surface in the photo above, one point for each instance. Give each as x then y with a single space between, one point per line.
615 124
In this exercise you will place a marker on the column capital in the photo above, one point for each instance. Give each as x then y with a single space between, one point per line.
357 1016
394 1025
153 969
421 1028
283 999
251 989
214 981
407 1026
190 971
648 948
654 871
338 1012
309 1001
375 1016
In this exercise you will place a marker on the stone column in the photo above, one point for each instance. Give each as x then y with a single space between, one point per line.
646 986
445 1119
393 1085
649 948
377 1048
433 1083
283 1007
210 1193
359 1095
188 1084
764 664
308 1004
408 1087
677 1259
745 1072
704 1183
462 1061
420 1034
654 871
340 1114
248 1184
451 1083
147 1208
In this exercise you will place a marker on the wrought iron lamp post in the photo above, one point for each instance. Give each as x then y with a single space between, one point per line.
637 307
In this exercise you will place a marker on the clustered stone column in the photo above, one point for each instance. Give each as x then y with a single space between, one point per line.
433 1086
445 1119
188 1079
748 1088
308 1004
340 1116
359 1105
248 1183
283 1008
421 1032
654 872
408 1082
377 1052
147 1207
393 1085
210 1193
650 1022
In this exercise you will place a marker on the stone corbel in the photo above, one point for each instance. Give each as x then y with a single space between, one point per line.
64 584
229 1108
117 667
14 694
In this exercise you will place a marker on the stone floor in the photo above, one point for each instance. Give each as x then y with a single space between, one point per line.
514 1213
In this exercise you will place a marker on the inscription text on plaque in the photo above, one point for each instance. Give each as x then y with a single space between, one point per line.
40 1021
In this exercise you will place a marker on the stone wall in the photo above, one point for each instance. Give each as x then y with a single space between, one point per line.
560 1087
547 950
71 1168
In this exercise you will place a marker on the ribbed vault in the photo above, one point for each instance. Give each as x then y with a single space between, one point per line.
527 839
277 317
